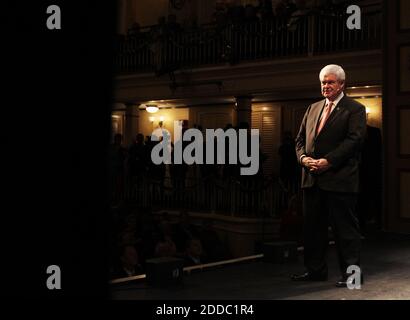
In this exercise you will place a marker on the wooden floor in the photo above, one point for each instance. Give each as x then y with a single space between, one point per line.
386 265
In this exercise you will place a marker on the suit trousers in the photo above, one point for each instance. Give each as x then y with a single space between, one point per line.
322 208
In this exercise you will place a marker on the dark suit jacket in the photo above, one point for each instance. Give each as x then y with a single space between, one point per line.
339 142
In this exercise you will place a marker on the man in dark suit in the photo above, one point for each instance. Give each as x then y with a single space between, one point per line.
328 148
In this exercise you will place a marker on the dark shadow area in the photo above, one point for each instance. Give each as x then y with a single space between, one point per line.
386 260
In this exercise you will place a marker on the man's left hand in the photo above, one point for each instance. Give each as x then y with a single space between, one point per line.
320 166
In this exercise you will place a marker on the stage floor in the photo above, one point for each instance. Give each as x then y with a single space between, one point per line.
386 265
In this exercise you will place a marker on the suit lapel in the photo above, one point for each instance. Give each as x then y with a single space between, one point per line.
316 116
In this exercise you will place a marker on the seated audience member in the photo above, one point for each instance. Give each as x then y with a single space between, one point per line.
135 30
129 263
184 230
298 15
165 247
193 253
127 239
212 245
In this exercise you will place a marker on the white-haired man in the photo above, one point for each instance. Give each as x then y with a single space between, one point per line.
328 148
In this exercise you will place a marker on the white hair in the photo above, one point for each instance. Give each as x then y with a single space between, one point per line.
333 69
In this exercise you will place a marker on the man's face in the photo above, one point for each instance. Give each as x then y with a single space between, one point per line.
331 87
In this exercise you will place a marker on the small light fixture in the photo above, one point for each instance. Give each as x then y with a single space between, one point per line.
161 118
367 110
151 119
151 108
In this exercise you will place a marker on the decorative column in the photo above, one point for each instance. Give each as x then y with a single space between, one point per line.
122 17
243 110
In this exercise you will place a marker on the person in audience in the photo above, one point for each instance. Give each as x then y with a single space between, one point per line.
118 156
184 231
134 31
194 253
129 263
288 167
212 245
165 247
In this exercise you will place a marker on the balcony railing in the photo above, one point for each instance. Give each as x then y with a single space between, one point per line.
163 51
239 197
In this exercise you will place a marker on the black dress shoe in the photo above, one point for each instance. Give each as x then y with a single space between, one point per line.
308 276
342 283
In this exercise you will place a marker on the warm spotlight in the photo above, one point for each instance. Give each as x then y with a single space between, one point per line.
151 108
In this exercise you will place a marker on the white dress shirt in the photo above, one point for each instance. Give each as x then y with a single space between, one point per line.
335 102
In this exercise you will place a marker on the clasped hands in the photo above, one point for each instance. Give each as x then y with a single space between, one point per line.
315 165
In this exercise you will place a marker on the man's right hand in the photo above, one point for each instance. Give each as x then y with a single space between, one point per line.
309 162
